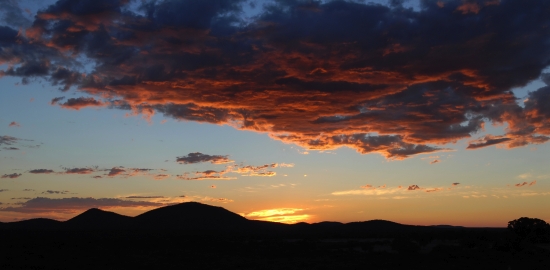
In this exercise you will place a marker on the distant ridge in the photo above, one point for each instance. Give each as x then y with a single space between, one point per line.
190 215
98 219
194 217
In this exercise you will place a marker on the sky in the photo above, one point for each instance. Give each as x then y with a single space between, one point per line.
420 112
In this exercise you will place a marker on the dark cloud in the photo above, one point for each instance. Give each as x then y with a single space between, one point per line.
13 175
55 192
322 75
487 141
21 198
12 14
456 184
79 170
8 140
116 171
435 161
11 148
28 189
41 171
14 124
81 102
200 157
56 100
74 204
413 187
3 190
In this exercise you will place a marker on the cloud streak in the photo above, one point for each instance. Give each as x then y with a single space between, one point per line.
11 176
74 204
198 157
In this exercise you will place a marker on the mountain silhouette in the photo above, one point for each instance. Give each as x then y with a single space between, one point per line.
194 217
190 215
32 224
98 219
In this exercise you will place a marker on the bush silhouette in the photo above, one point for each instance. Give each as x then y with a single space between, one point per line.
530 229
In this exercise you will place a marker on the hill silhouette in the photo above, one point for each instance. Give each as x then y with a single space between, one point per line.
190 215
98 219
194 217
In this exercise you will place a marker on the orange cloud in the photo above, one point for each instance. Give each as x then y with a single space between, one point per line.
526 184
14 124
302 79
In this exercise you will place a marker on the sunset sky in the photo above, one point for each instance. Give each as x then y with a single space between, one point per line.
420 112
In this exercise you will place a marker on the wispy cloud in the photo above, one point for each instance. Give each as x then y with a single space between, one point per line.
526 184
198 157
12 175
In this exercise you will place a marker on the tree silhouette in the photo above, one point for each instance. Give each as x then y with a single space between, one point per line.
530 229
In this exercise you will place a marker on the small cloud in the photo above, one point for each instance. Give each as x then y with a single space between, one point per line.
525 176
434 189
526 184
12 176
28 189
8 140
455 184
55 100
81 102
115 171
287 165
11 148
198 157
212 186
161 176
14 124
97 176
434 161
79 171
55 192
41 171
413 187
487 141
3 190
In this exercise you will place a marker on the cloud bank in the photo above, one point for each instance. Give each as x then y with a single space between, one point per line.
322 75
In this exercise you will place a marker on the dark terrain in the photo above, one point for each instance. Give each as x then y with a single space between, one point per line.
198 236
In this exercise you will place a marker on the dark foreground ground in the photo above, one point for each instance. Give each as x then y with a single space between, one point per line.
464 249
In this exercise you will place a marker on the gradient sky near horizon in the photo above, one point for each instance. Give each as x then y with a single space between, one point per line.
419 112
